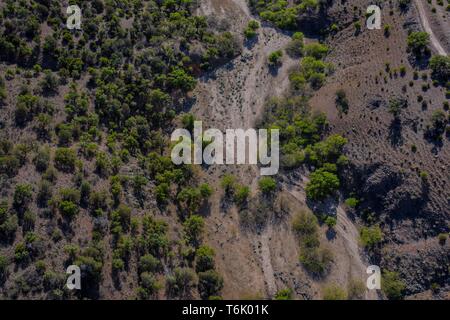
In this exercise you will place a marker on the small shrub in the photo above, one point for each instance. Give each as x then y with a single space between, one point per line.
342 101
334 292
250 31
387 30
352 202
42 159
29 220
228 183
356 289
49 84
149 283
149 263
305 223
440 66
443 238
267 185
330 222
284 294
295 46
242 193
102 164
275 58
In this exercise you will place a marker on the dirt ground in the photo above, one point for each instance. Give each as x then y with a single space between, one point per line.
260 264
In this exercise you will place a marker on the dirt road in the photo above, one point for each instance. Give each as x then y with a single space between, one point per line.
426 26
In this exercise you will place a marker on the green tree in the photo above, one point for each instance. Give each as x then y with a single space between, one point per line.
180 283
418 41
3 94
23 195
179 79
305 223
392 285
204 258
193 228
440 65
322 184
330 222
68 208
42 159
148 263
371 236
149 285
209 283
49 84
65 159
188 120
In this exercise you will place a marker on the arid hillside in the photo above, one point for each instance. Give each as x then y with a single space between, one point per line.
397 172
87 179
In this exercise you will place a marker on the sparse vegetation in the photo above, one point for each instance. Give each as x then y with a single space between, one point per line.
285 294
314 257
85 170
334 292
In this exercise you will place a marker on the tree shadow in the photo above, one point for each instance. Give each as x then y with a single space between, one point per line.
331 234
250 43
327 207
436 139
419 61
395 133
273 69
